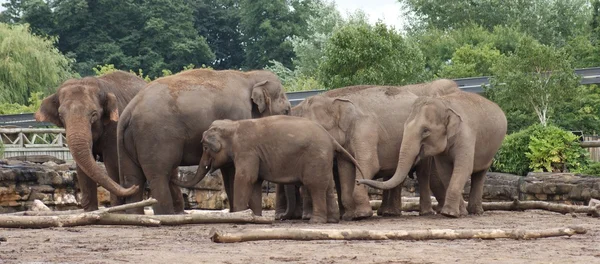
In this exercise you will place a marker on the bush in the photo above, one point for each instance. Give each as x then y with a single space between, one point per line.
511 157
592 169
554 149
541 149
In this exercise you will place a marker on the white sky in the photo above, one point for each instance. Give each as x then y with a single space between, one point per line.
390 11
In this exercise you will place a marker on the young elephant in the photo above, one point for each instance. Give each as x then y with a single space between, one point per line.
462 132
280 149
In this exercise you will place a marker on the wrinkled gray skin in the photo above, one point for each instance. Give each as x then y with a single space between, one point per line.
296 151
88 109
162 127
368 121
462 132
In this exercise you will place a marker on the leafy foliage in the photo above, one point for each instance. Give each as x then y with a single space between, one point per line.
537 76
541 149
34 103
29 64
592 169
551 147
359 53
469 61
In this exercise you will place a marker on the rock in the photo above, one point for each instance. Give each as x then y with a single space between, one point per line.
38 206
38 159
65 197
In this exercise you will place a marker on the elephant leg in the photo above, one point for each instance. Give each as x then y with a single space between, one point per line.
307 204
333 212
391 204
347 182
112 169
443 171
475 195
281 205
318 193
462 169
256 198
246 176
176 195
228 174
133 175
297 214
89 191
290 191
365 152
437 188
423 177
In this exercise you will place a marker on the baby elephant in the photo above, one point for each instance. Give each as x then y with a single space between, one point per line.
279 149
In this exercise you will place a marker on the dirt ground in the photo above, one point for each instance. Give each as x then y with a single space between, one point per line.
190 243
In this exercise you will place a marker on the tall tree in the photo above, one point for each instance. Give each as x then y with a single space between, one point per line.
30 64
267 26
360 53
218 21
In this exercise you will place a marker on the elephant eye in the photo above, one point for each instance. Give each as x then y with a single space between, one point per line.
426 132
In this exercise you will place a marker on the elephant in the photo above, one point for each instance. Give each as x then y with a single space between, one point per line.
162 127
462 132
368 121
88 109
297 151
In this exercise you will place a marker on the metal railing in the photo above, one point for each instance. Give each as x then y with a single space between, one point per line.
35 141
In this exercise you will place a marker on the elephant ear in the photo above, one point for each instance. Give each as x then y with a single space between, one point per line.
48 111
260 97
211 142
111 110
345 112
453 122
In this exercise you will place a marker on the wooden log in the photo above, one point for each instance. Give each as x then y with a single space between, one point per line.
113 209
16 221
242 217
349 234
593 209
128 219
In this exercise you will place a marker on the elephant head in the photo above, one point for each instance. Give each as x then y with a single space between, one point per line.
268 96
430 129
83 108
216 146
336 115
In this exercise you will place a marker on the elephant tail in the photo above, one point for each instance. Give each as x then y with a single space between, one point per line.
342 150
122 153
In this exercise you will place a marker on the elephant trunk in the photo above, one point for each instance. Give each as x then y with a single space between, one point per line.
80 144
200 174
408 156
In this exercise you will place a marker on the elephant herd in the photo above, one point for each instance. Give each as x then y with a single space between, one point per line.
243 124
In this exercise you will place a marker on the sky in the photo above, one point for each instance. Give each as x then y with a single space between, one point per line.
390 11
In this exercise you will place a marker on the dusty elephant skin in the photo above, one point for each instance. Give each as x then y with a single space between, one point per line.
162 127
298 151
369 121
462 132
88 109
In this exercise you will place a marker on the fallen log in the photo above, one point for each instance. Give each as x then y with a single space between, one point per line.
242 217
113 209
17 221
593 209
349 234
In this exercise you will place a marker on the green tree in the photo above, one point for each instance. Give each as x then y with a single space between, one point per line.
471 61
218 21
536 76
267 26
30 64
359 53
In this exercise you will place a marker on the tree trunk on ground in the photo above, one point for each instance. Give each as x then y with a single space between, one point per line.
348 234
593 209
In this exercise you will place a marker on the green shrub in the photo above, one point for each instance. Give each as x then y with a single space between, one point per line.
540 148
592 169
552 147
511 157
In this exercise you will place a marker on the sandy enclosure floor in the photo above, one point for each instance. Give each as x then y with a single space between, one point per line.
190 243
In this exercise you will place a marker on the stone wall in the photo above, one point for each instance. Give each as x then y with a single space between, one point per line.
21 182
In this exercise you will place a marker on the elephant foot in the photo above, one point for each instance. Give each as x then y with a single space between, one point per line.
333 219
427 212
306 216
450 213
363 215
317 220
475 210
389 212
347 216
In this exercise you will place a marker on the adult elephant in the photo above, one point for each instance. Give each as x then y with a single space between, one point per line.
88 109
368 121
462 132
162 127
